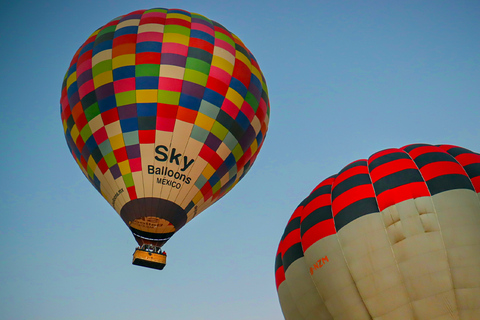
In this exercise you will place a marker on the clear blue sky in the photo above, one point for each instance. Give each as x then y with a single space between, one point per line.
345 78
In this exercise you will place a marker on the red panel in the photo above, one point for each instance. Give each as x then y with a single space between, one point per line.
135 164
146 136
186 114
120 154
352 195
441 168
148 58
110 116
363 169
408 191
319 231
391 167
132 192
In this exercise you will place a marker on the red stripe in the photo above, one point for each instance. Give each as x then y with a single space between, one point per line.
391 167
468 158
440 168
318 202
328 181
422 150
382 153
362 169
279 276
396 195
476 183
352 195
291 239
317 232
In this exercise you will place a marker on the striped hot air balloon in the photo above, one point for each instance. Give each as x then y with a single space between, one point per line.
164 111
394 236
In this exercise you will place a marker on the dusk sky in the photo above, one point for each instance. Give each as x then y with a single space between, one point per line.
345 79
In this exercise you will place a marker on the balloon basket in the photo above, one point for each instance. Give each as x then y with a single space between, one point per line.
150 257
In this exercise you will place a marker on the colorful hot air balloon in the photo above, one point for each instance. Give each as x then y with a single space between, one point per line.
396 236
164 111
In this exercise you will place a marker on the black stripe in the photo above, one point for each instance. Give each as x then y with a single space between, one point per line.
151 236
473 170
387 158
456 151
415 146
448 182
354 211
292 254
347 184
278 261
292 225
316 216
397 179
353 165
431 157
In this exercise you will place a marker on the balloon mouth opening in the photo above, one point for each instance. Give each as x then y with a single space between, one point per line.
153 220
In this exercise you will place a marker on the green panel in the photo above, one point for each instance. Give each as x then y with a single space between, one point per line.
224 37
125 98
237 152
110 159
219 130
147 70
195 77
102 67
173 28
92 111
168 97
250 99
198 65
86 133
128 179
216 187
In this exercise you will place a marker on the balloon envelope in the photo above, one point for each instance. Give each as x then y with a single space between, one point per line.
394 236
164 111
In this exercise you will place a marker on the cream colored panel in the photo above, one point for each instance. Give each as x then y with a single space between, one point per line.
327 267
459 217
304 292
373 267
417 244
289 308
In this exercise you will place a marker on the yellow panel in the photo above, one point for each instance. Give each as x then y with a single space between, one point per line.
74 132
223 64
123 60
198 197
204 121
235 97
147 96
176 38
71 79
208 171
117 141
103 78
174 15
124 167
240 56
